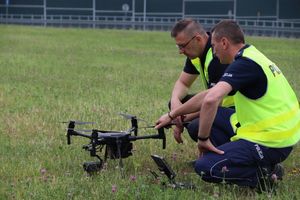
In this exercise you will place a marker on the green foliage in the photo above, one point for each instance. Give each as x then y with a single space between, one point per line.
49 75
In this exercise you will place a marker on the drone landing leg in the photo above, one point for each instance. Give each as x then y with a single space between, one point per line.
105 154
120 158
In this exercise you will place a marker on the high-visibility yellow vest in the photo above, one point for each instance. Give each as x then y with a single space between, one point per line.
272 120
203 70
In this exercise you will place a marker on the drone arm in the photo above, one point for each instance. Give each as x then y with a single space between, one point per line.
72 132
134 138
160 135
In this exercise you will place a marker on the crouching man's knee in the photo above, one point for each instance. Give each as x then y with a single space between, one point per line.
204 169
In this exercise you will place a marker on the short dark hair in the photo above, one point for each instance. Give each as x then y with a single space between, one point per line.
189 26
229 29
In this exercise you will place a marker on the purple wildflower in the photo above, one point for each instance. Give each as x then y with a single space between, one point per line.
174 156
133 178
114 188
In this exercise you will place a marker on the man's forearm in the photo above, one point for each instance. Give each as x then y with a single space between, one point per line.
191 116
210 106
207 116
191 106
178 93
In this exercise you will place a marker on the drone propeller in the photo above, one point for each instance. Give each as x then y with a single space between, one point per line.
80 130
126 116
78 122
166 126
129 116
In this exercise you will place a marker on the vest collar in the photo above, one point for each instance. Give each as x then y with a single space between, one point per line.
241 51
207 47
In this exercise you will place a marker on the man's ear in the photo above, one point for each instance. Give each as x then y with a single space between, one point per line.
224 42
198 37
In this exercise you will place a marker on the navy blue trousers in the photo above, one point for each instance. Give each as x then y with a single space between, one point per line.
242 161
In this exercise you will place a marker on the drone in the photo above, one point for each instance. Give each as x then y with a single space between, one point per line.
116 144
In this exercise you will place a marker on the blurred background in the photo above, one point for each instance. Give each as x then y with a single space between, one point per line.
276 18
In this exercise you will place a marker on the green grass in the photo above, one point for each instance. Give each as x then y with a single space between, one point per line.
49 75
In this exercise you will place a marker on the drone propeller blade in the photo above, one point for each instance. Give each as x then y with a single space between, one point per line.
78 122
139 119
83 130
79 130
129 116
126 116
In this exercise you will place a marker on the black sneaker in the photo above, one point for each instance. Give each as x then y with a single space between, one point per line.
277 173
269 178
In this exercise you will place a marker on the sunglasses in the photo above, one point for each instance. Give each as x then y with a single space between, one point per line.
182 46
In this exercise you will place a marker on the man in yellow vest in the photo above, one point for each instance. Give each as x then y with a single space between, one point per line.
195 43
267 110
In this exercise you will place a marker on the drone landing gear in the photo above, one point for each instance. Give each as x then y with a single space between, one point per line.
117 146
118 150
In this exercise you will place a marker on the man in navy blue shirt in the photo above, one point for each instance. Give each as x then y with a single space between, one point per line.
195 43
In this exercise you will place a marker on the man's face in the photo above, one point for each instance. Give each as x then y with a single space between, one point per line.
219 49
188 45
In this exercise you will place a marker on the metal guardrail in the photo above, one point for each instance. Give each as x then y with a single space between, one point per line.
275 28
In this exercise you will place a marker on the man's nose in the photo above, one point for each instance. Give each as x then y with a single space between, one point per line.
181 51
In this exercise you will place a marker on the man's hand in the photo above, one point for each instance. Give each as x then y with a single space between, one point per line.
178 129
166 120
163 121
204 146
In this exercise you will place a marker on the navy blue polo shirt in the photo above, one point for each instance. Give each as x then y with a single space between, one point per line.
245 76
215 68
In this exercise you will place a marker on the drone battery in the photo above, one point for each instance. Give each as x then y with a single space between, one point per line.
125 150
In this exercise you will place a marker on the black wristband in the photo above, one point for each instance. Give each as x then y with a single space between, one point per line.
203 138
169 115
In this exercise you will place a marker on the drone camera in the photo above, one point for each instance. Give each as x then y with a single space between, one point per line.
92 166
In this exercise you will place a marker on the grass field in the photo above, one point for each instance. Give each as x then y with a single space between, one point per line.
50 75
